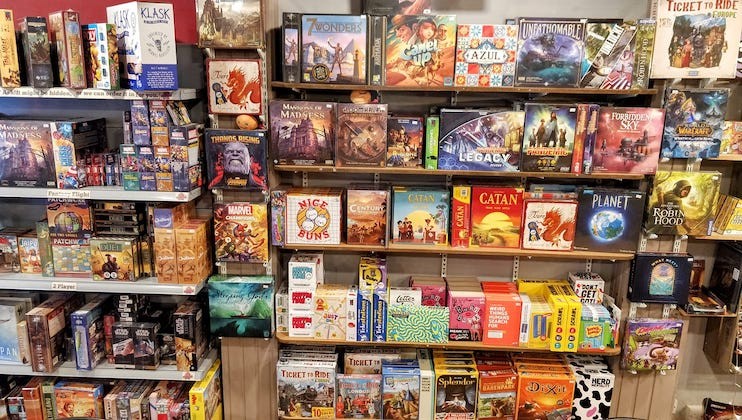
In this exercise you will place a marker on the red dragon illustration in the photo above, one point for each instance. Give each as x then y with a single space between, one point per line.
242 90
557 230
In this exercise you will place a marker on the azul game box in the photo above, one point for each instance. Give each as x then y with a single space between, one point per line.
361 135
480 140
548 138
485 55
229 23
28 158
10 73
694 123
660 278
549 224
302 133
696 40
609 220
683 203
367 214
496 215
652 344
420 50
237 159
359 397
420 215
333 48
241 306
306 389
241 232
114 258
549 52
66 40
314 216
34 37
101 51
628 140
611 67
405 141
234 86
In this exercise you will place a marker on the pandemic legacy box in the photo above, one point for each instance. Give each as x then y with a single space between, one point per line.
30 158
241 232
609 220
361 135
496 215
367 211
101 51
549 52
405 141
303 133
485 55
34 45
420 216
333 48
548 139
241 306
694 123
65 35
480 140
628 140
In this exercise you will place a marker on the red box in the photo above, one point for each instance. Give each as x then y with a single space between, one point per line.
502 312
461 216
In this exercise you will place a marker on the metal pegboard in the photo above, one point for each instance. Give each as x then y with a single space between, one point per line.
516 268
667 309
677 243
304 179
589 265
634 306
444 265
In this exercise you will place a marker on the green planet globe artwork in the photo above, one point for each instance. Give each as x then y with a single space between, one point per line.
607 225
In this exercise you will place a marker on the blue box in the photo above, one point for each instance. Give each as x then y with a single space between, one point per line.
87 328
147 168
379 313
365 321
241 306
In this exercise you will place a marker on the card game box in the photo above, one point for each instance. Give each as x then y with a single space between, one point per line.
146 348
480 140
45 248
314 216
607 220
651 344
361 135
9 258
303 133
405 141
420 216
460 216
496 215
466 312
28 254
400 387
79 399
66 40
159 122
102 56
146 45
10 73
190 335
417 324
497 394
206 395
359 394
241 306
549 224
485 55
544 395
549 52
548 139
367 215
236 159
330 312
147 168
432 134
660 278
140 125
234 86
694 123
589 287
193 251
312 382
456 393
278 197
123 344
34 45
115 259
88 335
333 48
30 160
627 140
241 232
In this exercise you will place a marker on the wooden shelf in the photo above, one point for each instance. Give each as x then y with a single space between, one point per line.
729 158
460 89
719 237
683 313
432 249
451 345
437 172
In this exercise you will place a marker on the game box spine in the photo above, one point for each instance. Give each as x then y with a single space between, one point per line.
291 73
38 66
461 216
10 73
377 45
643 51
583 112
432 131
588 142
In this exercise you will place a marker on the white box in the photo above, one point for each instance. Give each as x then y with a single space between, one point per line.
427 384
306 270
525 319
301 298
588 287
589 382
405 296
146 45
330 312
314 216
300 323
351 328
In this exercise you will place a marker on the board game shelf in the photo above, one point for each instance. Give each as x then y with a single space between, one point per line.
729 158
459 89
451 345
108 371
443 172
123 94
685 313
148 286
719 237
100 193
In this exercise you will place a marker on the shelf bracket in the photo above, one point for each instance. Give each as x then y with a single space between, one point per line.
666 309
213 121
678 242
634 306
589 265
209 52
643 243
516 268
377 179
268 267
444 265
449 180
693 164
304 179
454 98
218 196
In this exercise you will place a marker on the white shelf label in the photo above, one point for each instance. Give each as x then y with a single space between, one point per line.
189 290
187 375
78 194
64 285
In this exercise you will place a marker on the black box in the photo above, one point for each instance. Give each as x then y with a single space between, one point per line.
123 344
660 278
190 337
146 350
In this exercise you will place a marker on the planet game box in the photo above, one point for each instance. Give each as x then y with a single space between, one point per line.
303 133
549 52
65 36
30 158
496 215
361 135
549 224
405 141
420 50
241 232
485 55
115 258
237 159
628 140
333 48
609 220
548 140
694 123
367 216
314 216
360 395
420 216
480 140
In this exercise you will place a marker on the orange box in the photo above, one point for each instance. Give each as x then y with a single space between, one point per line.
192 250
502 319
544 395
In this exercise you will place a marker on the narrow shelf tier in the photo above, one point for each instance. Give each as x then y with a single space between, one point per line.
99 193
105 370
145 286
719 237
460 89
448 250
121 95
441 172
684 313
451 345
729 158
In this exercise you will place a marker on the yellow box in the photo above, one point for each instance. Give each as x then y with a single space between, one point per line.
574 317
206 395
10 72
192 250
535 287
539 324
166 259
560 309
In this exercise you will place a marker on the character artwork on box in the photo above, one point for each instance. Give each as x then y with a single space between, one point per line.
694 123
404 141
361 135
236 159
234 86
229 23
26 154
333 48
241 232
548 140
549 52
549 224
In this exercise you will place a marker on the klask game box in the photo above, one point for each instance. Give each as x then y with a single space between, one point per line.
548 137
609 220
367 216
496 215
420 50
485 55
549 224
549 52
333 48
361 135
628 140
236 159
405 141
651 344
234 86
303 133
420 216
314 216
241 306
480 140
29 161
241 232
694 123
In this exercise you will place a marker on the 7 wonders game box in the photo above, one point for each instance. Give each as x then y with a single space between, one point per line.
333 48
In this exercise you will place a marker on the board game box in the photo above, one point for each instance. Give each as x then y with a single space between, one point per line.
28 253
359 397
609 220
400 389
549 52
485 55
29 157
12 312
549 224
683 203
115 259
236 159
628 140
420 215
234 86
241 232
456 393
660 278
496 215
643 48
361 135
333 48
102 56
544 395
241 306
596 34
731 138
10 73
69 218
611 67
694 123
548 137
291 70
34 40
405 141
420 50
306 389
396 7
302 133
695 41
417 324
229 24
314 216
367 216
87 328
651 344
66 40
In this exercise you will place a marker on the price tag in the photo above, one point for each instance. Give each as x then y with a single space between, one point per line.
187 376
189 290
64 286
77 194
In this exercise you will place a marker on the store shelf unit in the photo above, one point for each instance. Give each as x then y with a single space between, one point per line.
100 193
718 237
148 286
123 94
729 158
106 371
687 314
451 345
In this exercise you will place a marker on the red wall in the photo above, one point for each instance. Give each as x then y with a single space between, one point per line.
94 11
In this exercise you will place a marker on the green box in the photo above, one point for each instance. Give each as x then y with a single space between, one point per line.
432 128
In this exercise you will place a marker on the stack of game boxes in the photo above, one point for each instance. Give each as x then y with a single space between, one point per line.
10 259
120 242
456 383
70 229
373 289
497 386
305 273
181 244
545 384
306 382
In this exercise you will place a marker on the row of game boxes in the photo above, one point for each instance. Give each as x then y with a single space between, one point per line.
384 383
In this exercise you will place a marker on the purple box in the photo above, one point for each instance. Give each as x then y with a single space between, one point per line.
652 344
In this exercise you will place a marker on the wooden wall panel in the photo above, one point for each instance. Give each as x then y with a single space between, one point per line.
249 371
